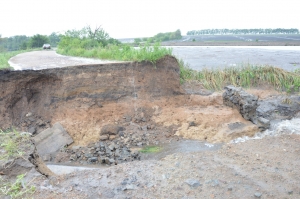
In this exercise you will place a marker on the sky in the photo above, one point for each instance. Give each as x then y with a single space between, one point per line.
143 18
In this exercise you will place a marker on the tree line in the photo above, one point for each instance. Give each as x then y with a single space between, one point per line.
243 31
160 37
23 42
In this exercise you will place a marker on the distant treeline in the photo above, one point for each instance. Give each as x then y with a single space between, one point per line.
243 31
167 36
23 42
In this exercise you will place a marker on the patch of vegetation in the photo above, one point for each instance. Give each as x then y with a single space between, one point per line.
17 189
111 51
244 76
150 149
13 144
160 37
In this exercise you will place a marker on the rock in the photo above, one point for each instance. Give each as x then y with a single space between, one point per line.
129 187
144 128
128 119
103 137
244 102
111 146
193 183
75 148
258 195
73 157
88 155
29 114
111 137
111 129
192 123
99 104
93 159
47 157
40 122
290 192
263 123
52 140
121 133
32 130
112 161
230 188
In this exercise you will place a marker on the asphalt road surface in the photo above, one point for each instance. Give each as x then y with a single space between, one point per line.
38 60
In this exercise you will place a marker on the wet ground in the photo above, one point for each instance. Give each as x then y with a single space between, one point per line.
200 57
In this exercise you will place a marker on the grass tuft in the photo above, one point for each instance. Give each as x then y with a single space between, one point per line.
17 189
150 149
13 144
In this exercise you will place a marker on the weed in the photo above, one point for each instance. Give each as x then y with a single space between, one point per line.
286 101
244 76
150 149
13 144
17 189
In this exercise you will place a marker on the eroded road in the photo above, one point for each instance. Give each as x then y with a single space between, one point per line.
38 60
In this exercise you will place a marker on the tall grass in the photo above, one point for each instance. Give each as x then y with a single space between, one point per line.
244 76
119 52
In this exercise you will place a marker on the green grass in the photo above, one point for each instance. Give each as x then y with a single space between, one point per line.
13 144
119 52
5 56
17 189
244 76
150 149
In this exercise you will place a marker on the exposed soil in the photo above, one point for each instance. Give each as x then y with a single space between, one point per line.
138 95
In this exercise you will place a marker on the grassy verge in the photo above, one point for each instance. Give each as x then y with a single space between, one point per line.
119 52
5 56
244 76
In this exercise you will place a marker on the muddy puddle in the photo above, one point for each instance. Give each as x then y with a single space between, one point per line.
180 146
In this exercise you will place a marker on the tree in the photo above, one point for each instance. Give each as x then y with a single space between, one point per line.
54 39
137 41
38 40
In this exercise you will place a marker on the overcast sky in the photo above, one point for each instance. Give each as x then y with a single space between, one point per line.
138 18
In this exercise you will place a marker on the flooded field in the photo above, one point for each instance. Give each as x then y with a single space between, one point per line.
200 57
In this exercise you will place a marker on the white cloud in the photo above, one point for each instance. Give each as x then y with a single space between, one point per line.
135 18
